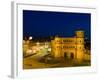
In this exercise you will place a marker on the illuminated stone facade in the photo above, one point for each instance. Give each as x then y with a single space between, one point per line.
69 47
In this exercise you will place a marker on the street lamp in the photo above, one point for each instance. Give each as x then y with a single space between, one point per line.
30 38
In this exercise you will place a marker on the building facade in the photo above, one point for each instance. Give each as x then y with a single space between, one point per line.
69 47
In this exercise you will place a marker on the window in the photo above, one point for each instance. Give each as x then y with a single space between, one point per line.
64 47
58 46
65 41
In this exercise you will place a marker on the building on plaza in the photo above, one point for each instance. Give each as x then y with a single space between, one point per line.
69 47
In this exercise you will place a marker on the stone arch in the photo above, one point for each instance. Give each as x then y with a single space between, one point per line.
65 55
71 55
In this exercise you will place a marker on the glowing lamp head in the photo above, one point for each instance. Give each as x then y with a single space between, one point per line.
30 38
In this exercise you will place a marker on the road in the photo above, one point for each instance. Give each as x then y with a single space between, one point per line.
32 62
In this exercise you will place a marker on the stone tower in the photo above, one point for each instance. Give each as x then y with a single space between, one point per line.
56 47
80 45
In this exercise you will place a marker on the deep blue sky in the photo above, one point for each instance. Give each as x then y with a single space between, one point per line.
46 23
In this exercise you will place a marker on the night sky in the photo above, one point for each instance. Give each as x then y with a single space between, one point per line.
46 23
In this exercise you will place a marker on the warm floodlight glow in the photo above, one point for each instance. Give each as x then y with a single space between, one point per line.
38 43
29 51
